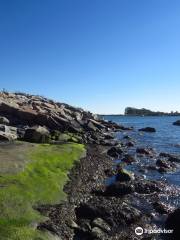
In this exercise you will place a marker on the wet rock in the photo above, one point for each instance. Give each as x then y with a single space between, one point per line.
145 151
115 152
152 167
85 225
128 214
123 175
148 129
162 208
37 134
88 211
128 159
165 165
162 170
177 123
109 172
163 154
172 222
100 223
97 233
162 163
146 187
125 128
130 144
109 142
119 189
4 120
127 137
108 136
170 157
174 159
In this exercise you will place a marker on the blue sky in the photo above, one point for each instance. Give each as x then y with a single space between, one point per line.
102 55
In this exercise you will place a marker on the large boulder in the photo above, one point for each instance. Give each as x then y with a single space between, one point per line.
144 151
147 129
8 133
128 159
177 123
147 187
7 136
115 152
172 222
119 189
37 134
123 175
170 157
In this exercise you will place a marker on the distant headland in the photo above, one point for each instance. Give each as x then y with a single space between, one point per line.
130 111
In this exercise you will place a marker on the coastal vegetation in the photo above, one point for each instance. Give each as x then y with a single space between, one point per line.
41 182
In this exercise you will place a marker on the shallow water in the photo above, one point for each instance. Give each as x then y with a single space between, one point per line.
166 139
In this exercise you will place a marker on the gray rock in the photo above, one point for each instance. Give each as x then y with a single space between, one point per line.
124 175
72 224
162 208
172 222
147 129
145 151
115 152
177 123
97 233
7 136
4 120
162 163
37 134
100 223
119 189
128 159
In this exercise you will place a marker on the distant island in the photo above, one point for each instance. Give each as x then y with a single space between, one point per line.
130 111
146 112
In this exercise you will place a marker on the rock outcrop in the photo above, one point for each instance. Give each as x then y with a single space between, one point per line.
30 113
148 129
177 123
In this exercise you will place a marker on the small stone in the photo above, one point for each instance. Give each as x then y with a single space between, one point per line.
97 233
128 159
72 224
4 120
100 223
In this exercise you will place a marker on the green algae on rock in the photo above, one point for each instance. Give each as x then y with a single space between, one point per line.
41 182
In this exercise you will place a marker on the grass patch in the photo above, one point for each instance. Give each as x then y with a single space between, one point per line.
41 182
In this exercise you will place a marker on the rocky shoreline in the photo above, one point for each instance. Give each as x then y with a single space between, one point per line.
98 210
104 199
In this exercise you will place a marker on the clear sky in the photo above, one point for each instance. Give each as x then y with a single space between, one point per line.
102 55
